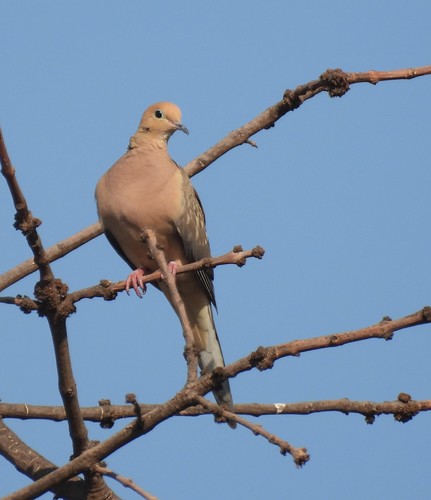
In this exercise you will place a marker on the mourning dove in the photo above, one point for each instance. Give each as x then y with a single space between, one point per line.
145 189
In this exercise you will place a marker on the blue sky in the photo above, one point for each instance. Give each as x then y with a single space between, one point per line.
337 193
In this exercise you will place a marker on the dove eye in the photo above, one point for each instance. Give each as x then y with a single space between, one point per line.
158 113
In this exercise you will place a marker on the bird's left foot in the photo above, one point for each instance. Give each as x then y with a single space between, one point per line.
172 268
135 280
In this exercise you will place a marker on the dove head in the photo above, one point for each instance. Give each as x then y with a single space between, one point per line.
158 123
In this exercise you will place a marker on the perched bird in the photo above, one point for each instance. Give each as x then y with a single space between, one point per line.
146 189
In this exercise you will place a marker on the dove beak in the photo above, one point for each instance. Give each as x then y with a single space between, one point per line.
180 126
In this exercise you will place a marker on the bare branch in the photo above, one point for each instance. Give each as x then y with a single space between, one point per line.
51 302
262 359
67 386
53 253
108 290
107 415
24 220
299 455
50 293
93 455
126 482
33 465
333 81
190 350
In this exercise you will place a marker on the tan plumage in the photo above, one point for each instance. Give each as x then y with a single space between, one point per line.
145 189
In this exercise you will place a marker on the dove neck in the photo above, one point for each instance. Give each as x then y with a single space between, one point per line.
153 138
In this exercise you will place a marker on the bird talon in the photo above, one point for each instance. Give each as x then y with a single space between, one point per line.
135 280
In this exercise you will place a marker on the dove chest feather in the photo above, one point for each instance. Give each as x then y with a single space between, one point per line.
136 196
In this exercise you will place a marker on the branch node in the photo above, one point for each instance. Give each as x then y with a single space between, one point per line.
108 293
301 457
370 419
131 399
291 99
25 224
26 304
409 411
388 335
107 421
52 294
404 397
333 340
258 252
263 358
336 82
426 311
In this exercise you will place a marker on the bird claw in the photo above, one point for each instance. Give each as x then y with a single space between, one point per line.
135 280
172 268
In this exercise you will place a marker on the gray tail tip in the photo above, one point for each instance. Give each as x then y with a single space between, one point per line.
231 424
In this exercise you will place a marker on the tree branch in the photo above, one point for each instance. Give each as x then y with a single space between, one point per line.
333 81
126 482
190 351
24 220
262 359
34 466
52 304
108 290
108 414
299 455
50 293
53 253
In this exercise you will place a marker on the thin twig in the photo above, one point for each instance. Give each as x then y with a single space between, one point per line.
108 290
24 303
126 482
24 220
299 455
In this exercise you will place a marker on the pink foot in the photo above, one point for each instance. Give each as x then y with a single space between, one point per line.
135 280
172 268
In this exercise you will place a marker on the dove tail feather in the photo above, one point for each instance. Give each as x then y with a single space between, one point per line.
211 356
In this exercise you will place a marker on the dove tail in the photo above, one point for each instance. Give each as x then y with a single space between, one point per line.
211 357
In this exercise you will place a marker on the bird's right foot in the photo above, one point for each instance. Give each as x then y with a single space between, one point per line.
135 280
